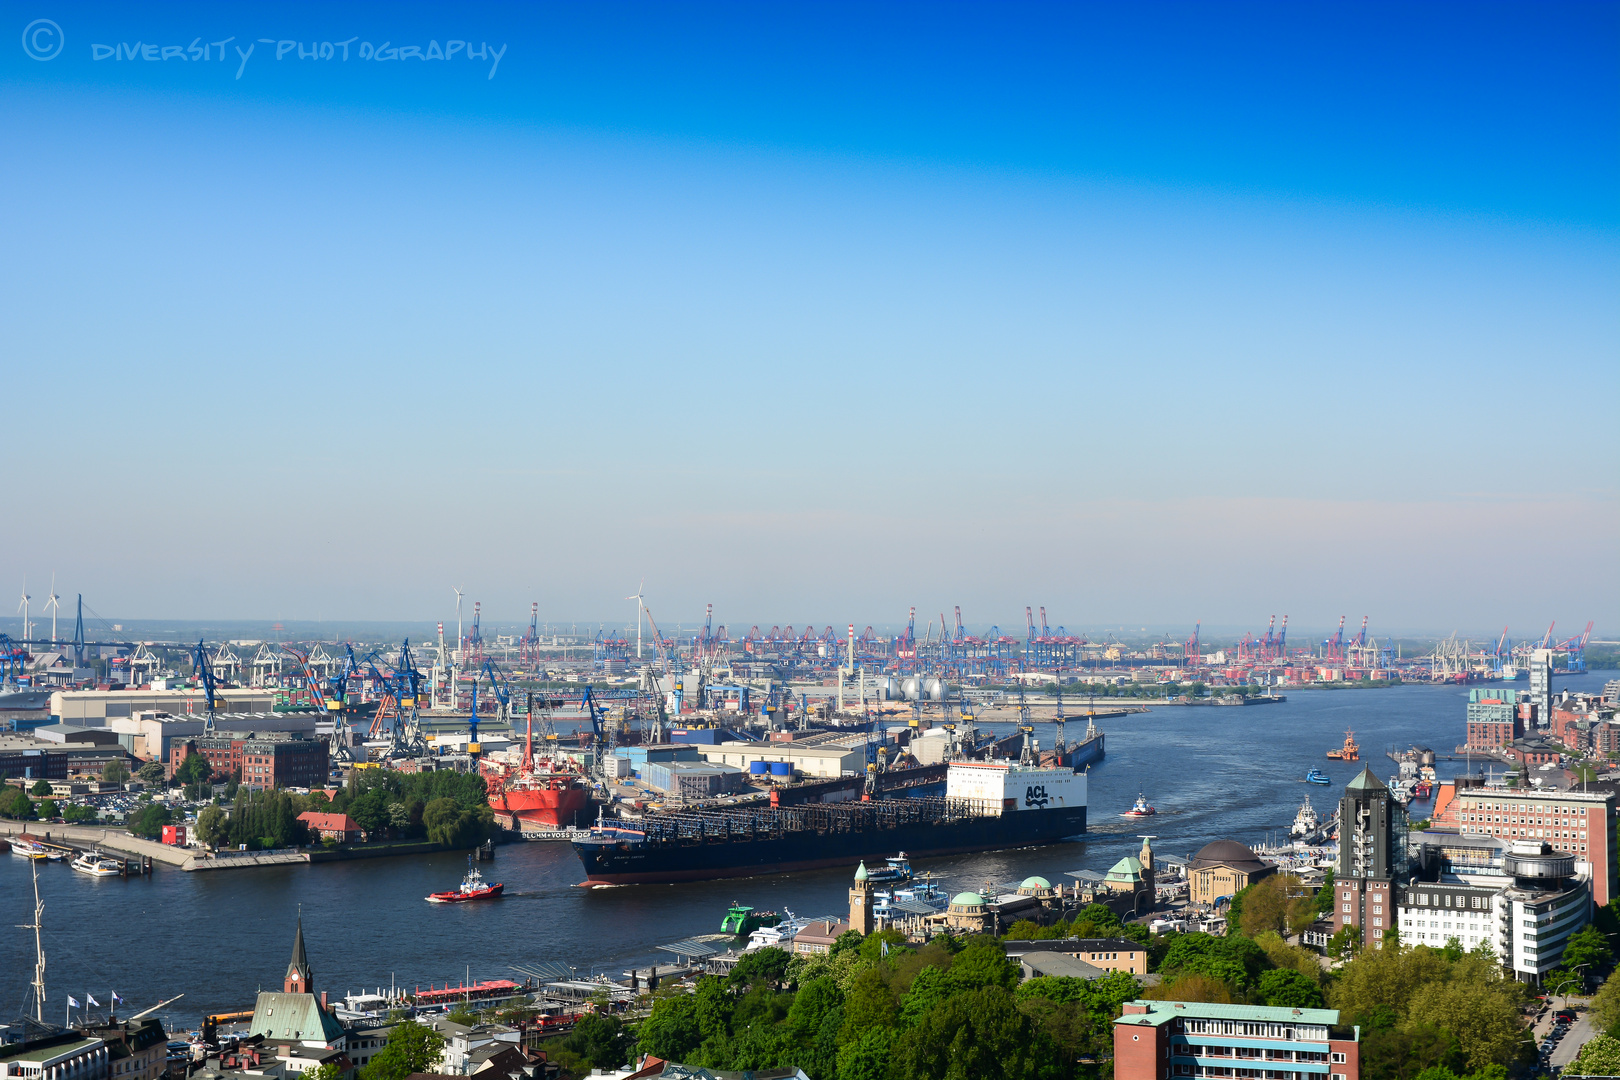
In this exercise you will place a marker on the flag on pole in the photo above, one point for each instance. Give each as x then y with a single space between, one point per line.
116 999
91 1000
72 1004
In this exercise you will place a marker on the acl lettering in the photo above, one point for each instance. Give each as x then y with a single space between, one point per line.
1035 795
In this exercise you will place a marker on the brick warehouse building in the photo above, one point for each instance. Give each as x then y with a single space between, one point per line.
1160 1040
264 759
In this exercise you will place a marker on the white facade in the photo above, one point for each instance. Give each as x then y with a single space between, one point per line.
1006 787
825 761
1525 928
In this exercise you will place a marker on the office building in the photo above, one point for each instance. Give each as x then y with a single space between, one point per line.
1576 823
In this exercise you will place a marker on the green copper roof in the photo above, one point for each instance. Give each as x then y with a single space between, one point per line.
297 1017
967 899
1365 781
1127 869
1161 1011
1035 883
860 871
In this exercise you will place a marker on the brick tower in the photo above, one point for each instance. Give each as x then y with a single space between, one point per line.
860 903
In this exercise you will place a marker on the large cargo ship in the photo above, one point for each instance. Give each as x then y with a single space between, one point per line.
986 806
529 794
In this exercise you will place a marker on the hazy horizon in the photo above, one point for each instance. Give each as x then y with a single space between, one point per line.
1148 314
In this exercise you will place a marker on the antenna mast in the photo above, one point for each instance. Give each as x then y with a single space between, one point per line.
39 947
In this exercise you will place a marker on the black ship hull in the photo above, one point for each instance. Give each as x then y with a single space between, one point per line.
626 860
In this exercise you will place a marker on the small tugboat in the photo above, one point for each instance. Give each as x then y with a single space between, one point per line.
1305 822
743 920
1317 776
1350 751
96 864
1141 809
473 887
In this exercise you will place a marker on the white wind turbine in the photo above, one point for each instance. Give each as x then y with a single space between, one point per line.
51 605
23 607
639 605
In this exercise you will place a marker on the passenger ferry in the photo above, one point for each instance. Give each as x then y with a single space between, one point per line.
1317 776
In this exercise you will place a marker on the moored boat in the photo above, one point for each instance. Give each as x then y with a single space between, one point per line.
473 887
743 920
529 795
96 864
31 847
1305 822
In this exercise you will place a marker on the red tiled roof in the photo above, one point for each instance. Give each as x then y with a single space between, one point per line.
329 822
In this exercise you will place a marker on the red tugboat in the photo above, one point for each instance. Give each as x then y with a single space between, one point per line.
525 797
472 888
1141 809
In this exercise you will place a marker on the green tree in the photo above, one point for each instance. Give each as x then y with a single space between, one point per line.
1605 1010
149 820
1587 948
151 773
671 1031
867 1056
15 804
767 967
328 1071
47 809
412 1048
1479 1015
1289 989
41 787
979 1034
1599 1057
212 826
194 770
602 1041
115 771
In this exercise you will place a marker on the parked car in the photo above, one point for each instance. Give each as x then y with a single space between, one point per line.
1564 1016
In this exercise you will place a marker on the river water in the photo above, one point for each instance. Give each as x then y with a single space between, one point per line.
218 937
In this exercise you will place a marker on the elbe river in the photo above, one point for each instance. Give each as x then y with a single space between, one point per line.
219 937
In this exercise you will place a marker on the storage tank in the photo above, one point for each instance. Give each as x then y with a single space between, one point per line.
911 689
757 768
781 770
933 688
891 689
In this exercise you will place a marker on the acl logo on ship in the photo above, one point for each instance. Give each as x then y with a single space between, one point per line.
1035 795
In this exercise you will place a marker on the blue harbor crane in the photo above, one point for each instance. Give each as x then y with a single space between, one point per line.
205 674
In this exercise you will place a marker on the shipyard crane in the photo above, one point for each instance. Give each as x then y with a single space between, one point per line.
599 731
338 743
205 673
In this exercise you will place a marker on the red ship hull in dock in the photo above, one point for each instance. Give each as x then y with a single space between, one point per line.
530 795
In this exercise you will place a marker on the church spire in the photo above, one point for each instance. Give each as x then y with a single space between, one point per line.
298 980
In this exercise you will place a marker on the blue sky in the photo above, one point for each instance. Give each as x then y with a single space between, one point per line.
1149 313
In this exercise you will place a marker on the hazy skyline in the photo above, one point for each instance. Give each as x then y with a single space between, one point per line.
1146 314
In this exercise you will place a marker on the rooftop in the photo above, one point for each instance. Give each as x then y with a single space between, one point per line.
1159 1012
